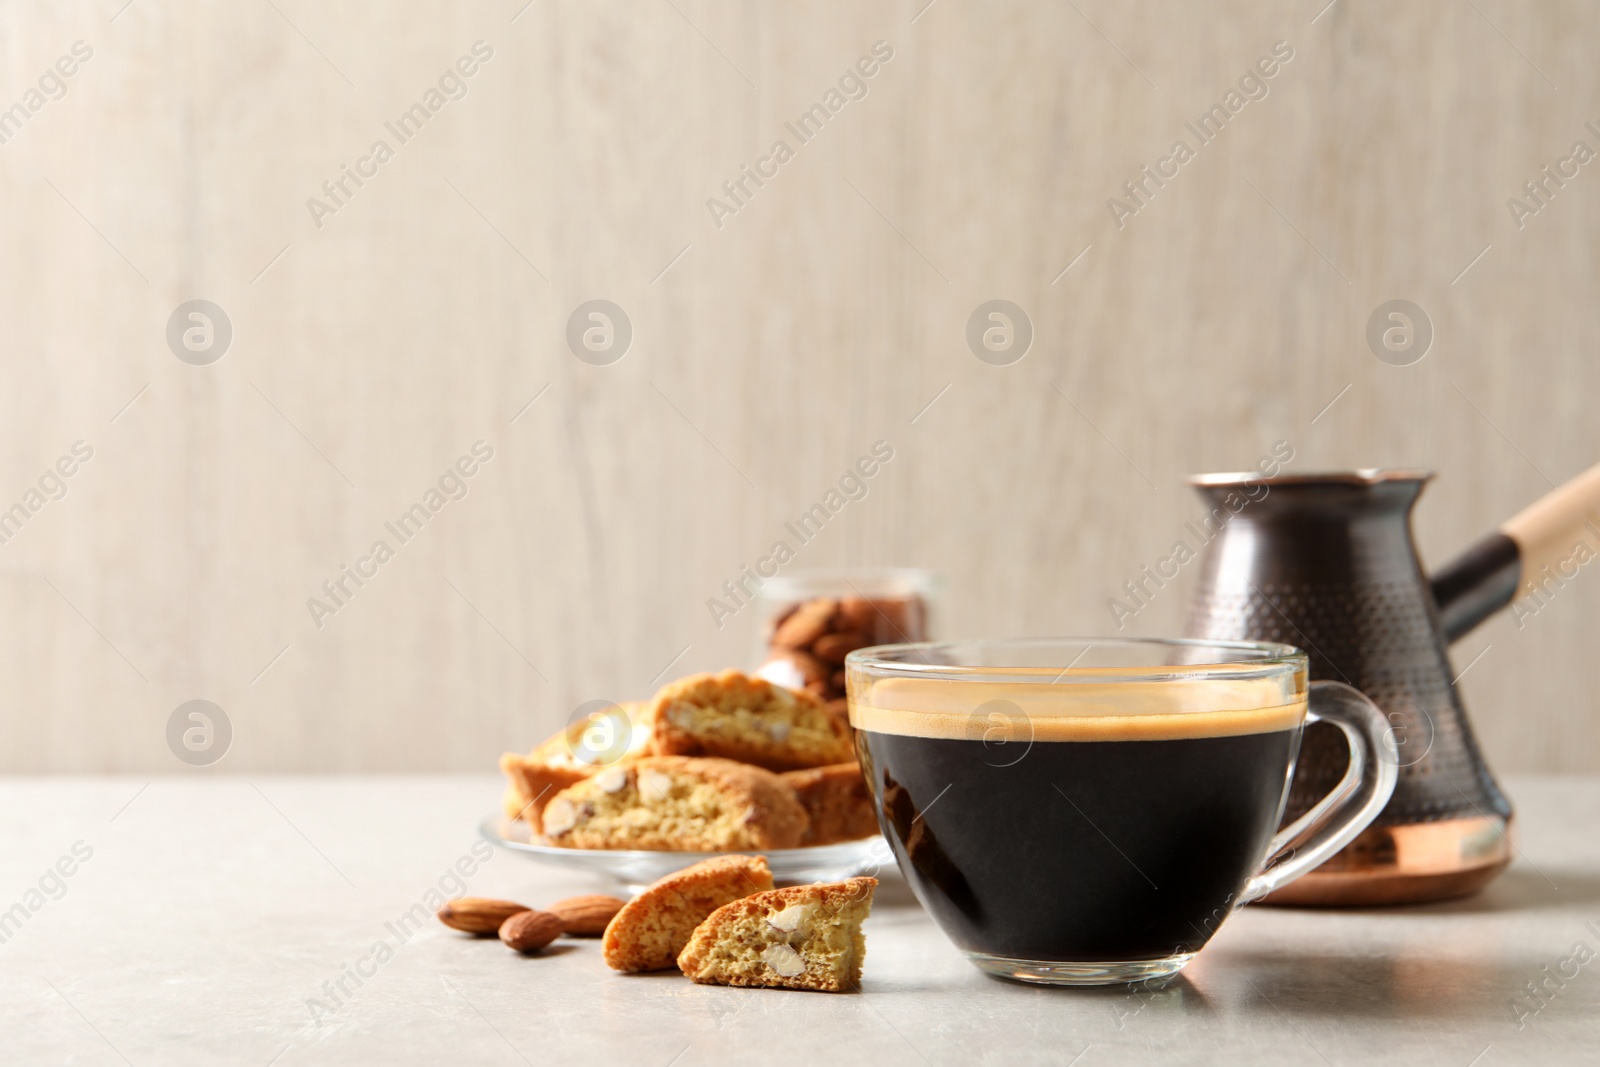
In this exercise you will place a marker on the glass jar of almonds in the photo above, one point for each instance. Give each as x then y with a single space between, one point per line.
812 619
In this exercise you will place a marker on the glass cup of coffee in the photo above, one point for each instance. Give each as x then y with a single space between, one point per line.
1085 812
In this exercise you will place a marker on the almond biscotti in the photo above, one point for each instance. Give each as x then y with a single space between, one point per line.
677 804
572 755
803 937
652 928
737 717
534 783
837 801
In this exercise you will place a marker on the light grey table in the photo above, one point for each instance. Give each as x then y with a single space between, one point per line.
210 912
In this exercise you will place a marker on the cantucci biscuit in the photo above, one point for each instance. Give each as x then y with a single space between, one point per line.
532 785
615 734
752 720
677 804
837 801
652 928
803 937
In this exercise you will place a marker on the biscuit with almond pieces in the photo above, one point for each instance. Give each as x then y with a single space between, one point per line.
570 756
652 928
735 716
677 804
803 937
837 800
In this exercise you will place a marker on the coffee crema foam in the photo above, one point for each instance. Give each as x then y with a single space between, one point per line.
1085 711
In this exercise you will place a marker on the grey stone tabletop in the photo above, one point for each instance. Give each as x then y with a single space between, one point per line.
216 919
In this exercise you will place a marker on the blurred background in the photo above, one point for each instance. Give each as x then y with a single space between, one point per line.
377 322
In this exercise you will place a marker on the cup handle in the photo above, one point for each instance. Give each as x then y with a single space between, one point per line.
1338 818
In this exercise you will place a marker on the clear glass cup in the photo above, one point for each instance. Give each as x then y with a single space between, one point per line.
1089 811
812 619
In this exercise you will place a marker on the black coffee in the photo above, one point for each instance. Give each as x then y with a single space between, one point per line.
1120 844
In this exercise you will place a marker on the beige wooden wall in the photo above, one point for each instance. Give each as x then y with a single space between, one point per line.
372 351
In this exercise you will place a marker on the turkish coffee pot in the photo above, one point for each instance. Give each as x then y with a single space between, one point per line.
1326 562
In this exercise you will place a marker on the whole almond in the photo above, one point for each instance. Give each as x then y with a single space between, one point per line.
529 931
892 618
900 619
808 622
478 915
833 648
858 613
585 916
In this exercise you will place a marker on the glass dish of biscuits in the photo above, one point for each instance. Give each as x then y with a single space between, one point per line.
712 764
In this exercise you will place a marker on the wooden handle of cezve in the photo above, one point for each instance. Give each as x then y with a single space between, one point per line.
1533 555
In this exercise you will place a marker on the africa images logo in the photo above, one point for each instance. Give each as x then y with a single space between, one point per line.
199 332
599 332
999 333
